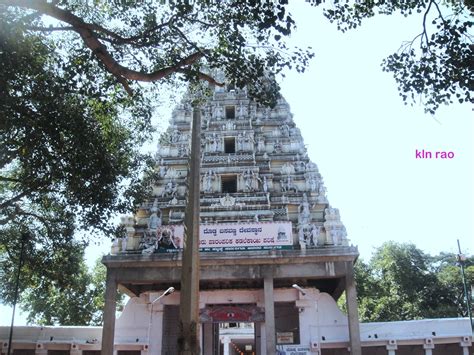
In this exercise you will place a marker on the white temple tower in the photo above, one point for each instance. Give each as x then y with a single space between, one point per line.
273 250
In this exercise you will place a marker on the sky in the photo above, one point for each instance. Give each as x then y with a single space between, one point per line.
364 141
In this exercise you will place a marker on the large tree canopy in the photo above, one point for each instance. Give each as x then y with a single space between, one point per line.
74 113
400 282
150 41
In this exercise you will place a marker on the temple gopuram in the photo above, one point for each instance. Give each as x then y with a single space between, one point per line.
271 246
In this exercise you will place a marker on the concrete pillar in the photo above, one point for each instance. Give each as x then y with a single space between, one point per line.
258 338
428 346
226 343
392 347
352 312
108 330
207 336
269 316
189 339
465 344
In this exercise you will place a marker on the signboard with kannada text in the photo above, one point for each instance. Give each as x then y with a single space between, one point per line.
229 236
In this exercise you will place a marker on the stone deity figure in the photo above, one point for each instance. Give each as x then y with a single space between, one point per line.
211 144
217 113
242 110
300 166
267 112
322 190
312 182
304 213
207 181
175 136
265 184
218 143
310 166
155 218
315 232
304 236
162 171
301 235
261 144
287 169
285 130
238 142
248 178
170 189
253 109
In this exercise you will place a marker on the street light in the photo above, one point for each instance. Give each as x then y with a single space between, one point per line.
461 261
303 292
169 291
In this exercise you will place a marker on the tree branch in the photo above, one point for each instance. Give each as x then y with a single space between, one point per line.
86 31
14 199
424 23
202 76
49 29
4 178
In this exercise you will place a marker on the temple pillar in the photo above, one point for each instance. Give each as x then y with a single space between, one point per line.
465 344
428 346
207 336
392 347
270 340
108 330
226 343
352 312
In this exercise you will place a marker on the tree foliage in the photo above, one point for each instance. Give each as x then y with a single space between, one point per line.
436 65
66 155
400 282
74 112
78 300
151 41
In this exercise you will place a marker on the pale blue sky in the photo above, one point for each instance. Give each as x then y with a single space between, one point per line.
364 139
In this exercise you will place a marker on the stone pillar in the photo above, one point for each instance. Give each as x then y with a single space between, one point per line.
207 336
258 338
108 330
226 343
352 312
428 346
465 350
392 347
269 315
465 344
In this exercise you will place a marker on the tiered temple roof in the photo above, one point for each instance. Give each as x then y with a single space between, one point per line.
255 169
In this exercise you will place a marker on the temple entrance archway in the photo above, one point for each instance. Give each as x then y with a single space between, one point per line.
231 329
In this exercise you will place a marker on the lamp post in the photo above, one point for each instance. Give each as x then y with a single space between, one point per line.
461 260
24 237
166 293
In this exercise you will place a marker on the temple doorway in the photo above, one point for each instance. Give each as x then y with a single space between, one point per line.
231 329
